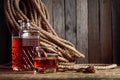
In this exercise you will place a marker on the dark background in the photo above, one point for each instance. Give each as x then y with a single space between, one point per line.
5 38
116 29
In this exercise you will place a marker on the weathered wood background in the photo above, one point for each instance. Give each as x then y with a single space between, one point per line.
91 25
85 23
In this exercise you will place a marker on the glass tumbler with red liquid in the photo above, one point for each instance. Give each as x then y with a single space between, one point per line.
45 62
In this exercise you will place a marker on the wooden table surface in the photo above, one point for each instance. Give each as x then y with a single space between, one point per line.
111 74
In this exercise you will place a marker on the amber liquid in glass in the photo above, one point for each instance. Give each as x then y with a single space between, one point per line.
22 53
45 63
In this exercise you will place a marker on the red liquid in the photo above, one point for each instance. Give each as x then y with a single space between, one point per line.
22 53
45 62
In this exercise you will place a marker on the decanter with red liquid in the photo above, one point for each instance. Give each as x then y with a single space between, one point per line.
23 46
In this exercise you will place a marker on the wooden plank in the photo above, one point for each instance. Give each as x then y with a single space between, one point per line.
106 31
82 28
70 21
48 4
94 32
58 17
110 74
116 30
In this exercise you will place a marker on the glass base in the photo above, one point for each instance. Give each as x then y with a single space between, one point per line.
48 70
21 69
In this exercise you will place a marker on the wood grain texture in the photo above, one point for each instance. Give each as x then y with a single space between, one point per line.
116 30
70 21
94 32
48 4
58 17
82 28
106 31
111 74
83 22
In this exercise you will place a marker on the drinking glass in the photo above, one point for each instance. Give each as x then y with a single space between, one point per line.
45 61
